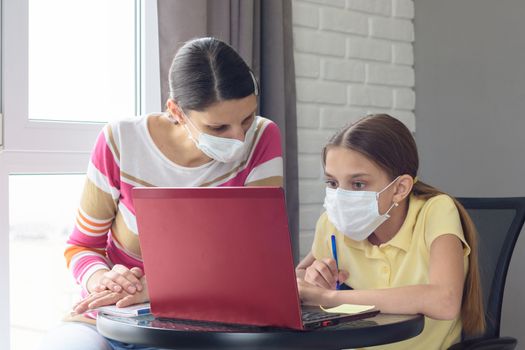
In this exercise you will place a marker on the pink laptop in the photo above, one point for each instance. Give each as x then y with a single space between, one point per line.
222 254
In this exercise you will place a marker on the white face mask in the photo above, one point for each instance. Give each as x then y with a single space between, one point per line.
355 213
222 149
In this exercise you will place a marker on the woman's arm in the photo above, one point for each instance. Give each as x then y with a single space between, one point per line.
86 251
269 181
86 254
439 299
266 162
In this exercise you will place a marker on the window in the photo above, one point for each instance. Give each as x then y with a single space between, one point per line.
69 66
82 62
41 216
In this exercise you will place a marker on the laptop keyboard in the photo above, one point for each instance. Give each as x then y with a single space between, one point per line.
203 326
312 316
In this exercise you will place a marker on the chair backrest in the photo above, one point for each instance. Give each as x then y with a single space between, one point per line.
499 222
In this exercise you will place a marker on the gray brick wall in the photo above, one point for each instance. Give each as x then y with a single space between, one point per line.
352 57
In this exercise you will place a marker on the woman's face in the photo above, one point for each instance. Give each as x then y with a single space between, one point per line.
229 119
352 171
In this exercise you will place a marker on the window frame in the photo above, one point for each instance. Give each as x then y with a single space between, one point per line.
34 146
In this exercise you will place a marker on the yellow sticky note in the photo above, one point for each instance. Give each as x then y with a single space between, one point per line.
349 309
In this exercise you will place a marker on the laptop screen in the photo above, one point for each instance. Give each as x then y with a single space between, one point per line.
218 254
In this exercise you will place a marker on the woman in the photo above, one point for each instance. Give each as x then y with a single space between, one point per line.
402 245
208 136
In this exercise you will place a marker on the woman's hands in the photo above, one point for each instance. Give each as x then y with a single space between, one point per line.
109 297
120 286
118 279
324 274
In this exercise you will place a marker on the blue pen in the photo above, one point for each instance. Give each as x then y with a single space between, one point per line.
334 253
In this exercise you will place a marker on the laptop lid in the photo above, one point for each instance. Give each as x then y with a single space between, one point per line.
219 254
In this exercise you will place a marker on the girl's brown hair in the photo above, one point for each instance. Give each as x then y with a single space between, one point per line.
388 142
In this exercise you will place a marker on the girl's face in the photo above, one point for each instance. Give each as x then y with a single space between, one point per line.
352 171
229 119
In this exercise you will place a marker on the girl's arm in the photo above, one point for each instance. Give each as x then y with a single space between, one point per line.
439 299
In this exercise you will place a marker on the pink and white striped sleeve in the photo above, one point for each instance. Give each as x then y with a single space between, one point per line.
86 250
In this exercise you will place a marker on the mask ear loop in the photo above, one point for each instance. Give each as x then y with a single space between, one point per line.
190 136
395 204
387 186
391 207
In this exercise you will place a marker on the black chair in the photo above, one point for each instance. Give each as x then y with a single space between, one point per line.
499 222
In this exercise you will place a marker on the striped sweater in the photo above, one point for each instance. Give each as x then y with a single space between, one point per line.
125 156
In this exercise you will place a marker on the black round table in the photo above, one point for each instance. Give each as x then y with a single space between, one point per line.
174 334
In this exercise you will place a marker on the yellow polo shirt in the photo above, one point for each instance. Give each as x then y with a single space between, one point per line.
402 261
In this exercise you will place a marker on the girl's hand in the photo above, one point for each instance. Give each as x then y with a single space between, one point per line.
118 279
108 297
324 274
314 295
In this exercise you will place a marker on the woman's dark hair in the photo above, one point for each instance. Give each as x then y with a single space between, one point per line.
387 142
205 71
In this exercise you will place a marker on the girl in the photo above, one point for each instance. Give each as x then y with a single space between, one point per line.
402 245
208 136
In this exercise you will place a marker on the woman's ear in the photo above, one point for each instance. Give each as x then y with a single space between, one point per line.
403 188
175 111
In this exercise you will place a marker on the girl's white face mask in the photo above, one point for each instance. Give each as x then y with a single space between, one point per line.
221 149
355 213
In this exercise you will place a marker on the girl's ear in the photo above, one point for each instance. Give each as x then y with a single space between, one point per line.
403 188
175 111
